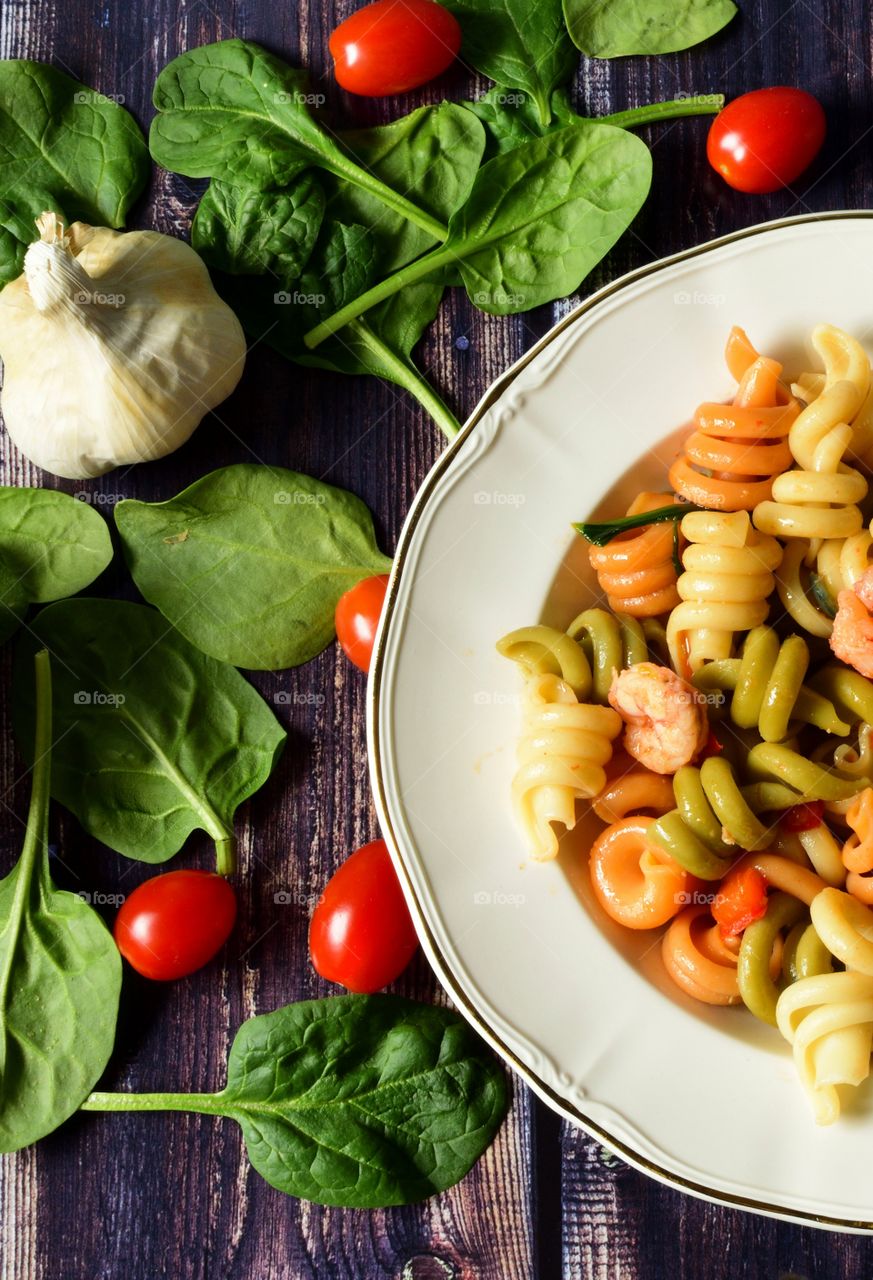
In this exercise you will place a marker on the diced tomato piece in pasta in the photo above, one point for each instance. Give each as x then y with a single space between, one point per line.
741 900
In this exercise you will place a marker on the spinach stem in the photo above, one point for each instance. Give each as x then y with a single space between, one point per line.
225 855
36 833
417 270
205 1103
360 177
701 104
408 378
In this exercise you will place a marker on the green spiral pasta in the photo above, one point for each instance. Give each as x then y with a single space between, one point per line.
709 805
768 687
611 641
543 650
760 993
805 955
595 644
850 692
811 781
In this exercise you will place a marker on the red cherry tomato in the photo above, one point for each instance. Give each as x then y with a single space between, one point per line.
357 617
361 934
765 139
174 924
393 46
804 817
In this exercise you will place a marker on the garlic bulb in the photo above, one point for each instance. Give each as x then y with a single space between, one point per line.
114 345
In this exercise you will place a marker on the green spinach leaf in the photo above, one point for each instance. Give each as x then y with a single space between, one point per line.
234 111
381 344
63 147
538 219
431 155
510 117
522 44
60 974
616 28
51 545
154 740
246 231
250 561
356 1101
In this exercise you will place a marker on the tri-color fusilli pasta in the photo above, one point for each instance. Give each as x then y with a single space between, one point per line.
719 720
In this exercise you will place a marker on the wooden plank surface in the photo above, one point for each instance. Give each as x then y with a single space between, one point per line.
140 1197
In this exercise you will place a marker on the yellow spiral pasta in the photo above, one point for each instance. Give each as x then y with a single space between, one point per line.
828 1020
562 751
841 561
845 926
818 499
728 577
838 563
846 362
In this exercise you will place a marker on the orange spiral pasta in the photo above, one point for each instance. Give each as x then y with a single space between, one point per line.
698 959
637 884
858 849
730 460
636 570
635 791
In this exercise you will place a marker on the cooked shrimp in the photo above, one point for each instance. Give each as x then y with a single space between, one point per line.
852 636
666 725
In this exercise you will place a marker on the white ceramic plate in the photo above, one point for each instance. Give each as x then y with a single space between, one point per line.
704 1099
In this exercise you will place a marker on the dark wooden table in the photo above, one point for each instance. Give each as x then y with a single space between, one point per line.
141 1197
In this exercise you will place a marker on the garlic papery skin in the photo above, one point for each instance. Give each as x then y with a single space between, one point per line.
114 345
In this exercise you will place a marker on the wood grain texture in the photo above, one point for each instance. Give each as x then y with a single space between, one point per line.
140 1197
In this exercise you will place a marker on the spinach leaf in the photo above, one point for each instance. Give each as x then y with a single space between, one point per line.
538 219
60 973
382 344
51 546
431 155
342 265
246 231
616 28
356 1101
522 44
250 561
234 111
153 739
63 147
56 544
510 117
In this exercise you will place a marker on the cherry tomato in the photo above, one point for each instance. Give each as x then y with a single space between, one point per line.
803 817
357 617
361 934
174 924
765 139
393 46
